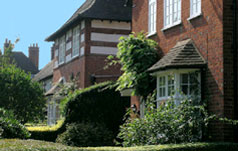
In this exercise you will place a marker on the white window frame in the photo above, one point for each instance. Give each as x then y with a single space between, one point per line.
177 83
61 50
172 9
76 41
152 17
195 4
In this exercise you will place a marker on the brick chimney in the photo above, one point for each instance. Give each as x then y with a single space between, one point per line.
33 52
6 44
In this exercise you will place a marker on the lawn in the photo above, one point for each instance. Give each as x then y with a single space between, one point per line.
33 145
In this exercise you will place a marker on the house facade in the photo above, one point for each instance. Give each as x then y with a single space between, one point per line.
83 43
28 64
196 42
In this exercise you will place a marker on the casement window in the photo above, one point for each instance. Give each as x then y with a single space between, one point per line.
178 83
195 8
62 50
56 42
76 41
152 16
68 35
172 13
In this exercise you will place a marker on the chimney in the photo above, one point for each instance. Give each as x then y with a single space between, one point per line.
33 52
6 44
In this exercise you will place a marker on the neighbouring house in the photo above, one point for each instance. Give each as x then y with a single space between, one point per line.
197 41
28 64
82 44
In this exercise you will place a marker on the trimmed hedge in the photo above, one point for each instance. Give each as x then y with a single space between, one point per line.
32 145
100 103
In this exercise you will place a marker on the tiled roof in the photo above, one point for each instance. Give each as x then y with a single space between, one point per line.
97 9
183 55
23 62
46 72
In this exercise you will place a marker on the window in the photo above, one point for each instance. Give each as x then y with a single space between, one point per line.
76 41
152 17
68 35
195 8
189 83
61 50
172 13
176 82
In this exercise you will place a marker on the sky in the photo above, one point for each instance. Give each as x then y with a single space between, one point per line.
32 21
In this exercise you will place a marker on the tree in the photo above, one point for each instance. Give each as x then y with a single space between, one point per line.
18 92
136 54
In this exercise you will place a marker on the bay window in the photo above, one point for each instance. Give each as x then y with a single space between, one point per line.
172 13
177 83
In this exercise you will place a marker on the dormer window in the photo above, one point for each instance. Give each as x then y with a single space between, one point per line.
152 17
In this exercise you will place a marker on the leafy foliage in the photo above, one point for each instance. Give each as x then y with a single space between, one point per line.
10 127
136 54
167 124
18 92
86 134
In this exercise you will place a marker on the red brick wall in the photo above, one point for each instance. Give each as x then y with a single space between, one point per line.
207 33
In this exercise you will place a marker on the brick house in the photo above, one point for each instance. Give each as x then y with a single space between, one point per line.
194 36
83 43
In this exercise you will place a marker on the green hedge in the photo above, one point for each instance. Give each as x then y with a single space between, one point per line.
32 145
96 104
100 103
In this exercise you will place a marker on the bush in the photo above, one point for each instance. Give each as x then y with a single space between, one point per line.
98 104
86 134
10 127
167 124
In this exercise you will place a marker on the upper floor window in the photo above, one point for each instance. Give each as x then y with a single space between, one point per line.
61 50
195 8
172 13
152 16
76 41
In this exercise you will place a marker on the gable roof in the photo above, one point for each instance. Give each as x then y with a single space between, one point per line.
97 9
23 62
46 72
183 55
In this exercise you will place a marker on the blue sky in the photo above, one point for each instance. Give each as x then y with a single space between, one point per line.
32 21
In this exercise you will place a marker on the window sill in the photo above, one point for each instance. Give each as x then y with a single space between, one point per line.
151 34
171 26
194 16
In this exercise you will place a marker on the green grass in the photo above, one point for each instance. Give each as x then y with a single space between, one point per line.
33 145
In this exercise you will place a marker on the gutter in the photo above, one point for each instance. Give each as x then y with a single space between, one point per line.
235 63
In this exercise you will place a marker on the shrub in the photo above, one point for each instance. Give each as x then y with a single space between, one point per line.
167 124
98 104
18 92
86 134
10 127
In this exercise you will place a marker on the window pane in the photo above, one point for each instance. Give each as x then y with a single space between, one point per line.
184 89
184 78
